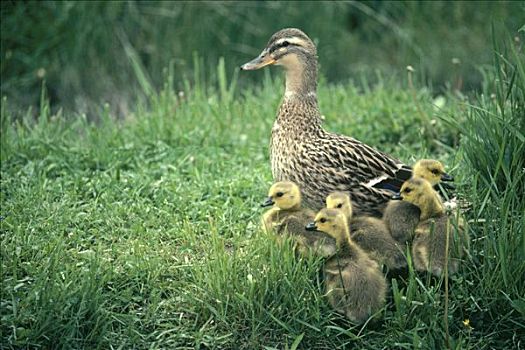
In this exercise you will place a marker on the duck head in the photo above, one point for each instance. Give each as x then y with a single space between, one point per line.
332 222
341 201
284 195
292 49
431 170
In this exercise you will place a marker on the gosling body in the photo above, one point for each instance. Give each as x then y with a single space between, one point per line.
401 219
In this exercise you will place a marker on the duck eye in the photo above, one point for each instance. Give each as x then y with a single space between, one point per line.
285 43
323 220
279 194
340 205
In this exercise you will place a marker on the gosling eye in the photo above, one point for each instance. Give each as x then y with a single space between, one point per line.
340 205
279 194
407 190
435 171
323 220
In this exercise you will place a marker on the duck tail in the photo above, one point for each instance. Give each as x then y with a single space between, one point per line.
392 183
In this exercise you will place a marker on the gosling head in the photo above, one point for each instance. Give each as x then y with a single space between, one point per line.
288 47
420 192
431 170
284 194
340 200
332 222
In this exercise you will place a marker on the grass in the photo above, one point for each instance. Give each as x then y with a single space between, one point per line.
144 232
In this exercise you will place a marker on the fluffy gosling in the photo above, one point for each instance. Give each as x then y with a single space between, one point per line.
354 284
429 246
288 217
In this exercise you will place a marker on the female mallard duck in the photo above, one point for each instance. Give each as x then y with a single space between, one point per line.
402 217
371 234
354 285
302 151
287 216
429 251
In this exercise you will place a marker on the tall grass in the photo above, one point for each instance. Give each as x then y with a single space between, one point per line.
144 232
492 145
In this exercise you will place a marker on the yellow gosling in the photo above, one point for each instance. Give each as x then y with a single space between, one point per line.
371 234
354 285
429 251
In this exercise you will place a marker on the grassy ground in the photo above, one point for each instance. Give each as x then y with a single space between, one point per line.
143 233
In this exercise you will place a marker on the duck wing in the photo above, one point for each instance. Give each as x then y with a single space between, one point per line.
372 168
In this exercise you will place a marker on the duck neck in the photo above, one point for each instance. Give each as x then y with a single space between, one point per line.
431 208
295 207
301 80
345 246
299 107
342 237
348 215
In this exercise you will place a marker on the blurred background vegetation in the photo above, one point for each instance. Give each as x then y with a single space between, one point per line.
89 53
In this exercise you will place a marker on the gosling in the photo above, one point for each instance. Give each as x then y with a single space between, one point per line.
371 234
429 246
288 217
354 284
401 217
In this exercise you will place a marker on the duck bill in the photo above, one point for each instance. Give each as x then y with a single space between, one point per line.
447 177
263 60
268 202
396 197
311 226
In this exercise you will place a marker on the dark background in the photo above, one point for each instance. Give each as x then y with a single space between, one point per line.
89 53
